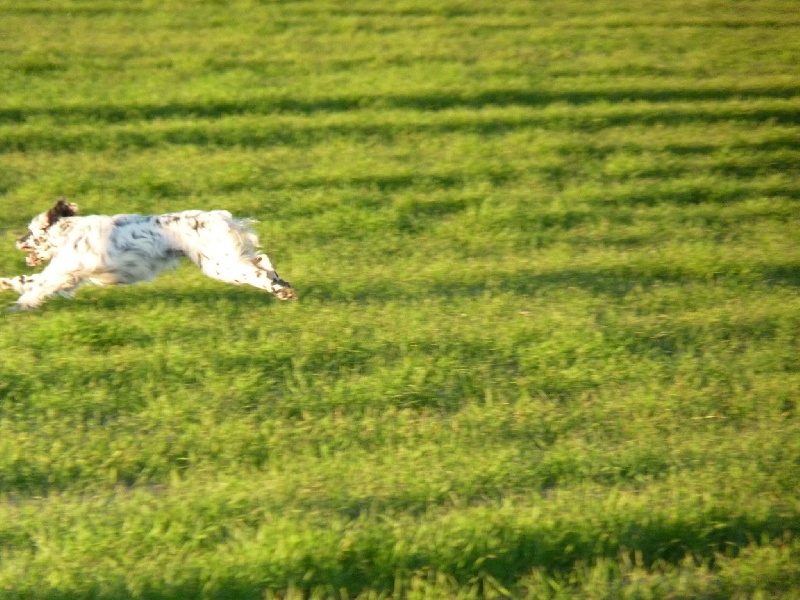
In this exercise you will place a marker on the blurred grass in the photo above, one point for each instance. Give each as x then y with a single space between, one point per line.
547 338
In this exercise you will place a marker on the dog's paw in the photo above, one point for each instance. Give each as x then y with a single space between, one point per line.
286 293
23 306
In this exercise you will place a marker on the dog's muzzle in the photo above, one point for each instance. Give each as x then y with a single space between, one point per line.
23 243
33 261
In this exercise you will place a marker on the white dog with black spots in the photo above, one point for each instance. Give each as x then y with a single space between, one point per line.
124 249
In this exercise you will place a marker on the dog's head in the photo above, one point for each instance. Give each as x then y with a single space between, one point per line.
37 242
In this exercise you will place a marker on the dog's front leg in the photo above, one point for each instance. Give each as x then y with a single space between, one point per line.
43 287
20 284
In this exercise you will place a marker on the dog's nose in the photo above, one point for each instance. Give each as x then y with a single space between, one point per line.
23 241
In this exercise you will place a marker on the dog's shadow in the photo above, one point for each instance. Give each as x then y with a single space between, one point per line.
145 296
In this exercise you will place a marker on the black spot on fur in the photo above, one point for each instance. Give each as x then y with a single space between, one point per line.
167 219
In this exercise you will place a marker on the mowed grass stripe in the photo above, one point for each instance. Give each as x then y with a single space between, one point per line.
583 93
279 130
259 552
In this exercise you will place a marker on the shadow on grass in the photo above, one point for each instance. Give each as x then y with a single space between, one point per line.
242 301
506 553
615 282
436 101
783 275
696 193
313 133
145 297
305 134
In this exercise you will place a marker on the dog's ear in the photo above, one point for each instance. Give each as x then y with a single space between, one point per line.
61 209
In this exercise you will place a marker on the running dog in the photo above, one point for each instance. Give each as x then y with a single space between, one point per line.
124 249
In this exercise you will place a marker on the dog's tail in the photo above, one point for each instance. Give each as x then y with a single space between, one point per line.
243 233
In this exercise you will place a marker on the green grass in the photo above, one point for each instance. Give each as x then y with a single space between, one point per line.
547 338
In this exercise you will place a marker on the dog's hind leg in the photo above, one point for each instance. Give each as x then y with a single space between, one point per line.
262 262
257 272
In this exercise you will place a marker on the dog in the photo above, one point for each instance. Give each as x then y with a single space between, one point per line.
125 249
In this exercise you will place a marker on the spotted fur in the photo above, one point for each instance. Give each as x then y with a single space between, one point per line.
124 249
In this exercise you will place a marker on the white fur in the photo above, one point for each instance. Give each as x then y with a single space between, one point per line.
123 249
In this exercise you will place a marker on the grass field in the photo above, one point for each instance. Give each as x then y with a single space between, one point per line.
548 259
